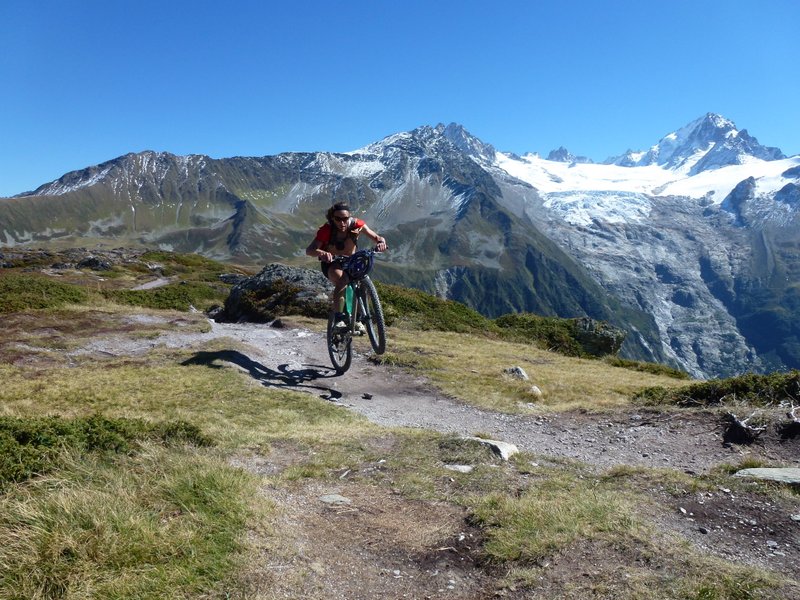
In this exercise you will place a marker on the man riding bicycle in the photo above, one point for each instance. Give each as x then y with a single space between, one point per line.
339 237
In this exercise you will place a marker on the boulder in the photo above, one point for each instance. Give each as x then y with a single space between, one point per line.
232 278
790 475
517 373
94 263
598 338
504 450
276 291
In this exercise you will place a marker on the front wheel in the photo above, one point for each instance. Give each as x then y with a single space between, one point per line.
340 346
372 315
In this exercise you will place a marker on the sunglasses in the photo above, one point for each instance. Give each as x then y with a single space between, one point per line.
341 219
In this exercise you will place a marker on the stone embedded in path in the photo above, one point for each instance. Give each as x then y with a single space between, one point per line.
460 468
503 449
790 475
335 500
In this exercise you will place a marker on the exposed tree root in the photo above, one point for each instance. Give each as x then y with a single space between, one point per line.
740 431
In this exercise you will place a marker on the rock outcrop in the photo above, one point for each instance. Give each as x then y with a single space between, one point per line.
275 291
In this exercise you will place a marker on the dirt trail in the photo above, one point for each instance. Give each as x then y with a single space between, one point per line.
382 545
297 359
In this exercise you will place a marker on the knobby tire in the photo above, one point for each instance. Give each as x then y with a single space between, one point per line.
373 319
340 346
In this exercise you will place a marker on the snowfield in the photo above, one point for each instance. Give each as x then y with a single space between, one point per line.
551 177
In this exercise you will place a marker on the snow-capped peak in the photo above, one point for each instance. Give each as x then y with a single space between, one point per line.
378 147
710 142
561 154
691 142
466 142
430 140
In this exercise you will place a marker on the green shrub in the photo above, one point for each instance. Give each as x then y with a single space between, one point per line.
455 449
579 336
424 311
761 390
178 296
183 263
33 446
646 367
22 291
550 333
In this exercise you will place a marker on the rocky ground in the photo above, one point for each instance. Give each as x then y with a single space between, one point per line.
359 541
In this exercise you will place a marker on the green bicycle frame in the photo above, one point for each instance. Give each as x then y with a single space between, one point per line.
348 299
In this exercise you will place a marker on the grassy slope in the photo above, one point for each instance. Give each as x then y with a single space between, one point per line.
171 519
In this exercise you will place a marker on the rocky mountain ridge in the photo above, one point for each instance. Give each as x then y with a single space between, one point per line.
709 249
709 142
693 251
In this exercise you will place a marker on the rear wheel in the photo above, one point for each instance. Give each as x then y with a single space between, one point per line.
340 347
371 315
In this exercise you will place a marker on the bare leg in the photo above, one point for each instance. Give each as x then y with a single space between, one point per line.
339 280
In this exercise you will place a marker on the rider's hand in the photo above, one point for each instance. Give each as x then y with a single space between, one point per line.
380 245
325 256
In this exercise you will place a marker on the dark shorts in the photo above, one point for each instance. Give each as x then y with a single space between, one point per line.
325 267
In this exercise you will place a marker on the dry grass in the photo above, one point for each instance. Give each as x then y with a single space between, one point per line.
171 523
162 523
232 408
472 367
555 513
168 523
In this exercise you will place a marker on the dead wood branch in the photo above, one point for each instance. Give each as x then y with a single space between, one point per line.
791 428
740 431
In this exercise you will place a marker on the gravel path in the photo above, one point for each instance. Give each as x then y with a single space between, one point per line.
744 527
297 359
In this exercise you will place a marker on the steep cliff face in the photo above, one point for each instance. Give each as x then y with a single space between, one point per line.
700 232
676 266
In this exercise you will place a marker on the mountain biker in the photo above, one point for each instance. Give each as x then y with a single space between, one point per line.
339 237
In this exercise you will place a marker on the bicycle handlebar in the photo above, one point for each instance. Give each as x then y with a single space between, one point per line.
357 265
342 258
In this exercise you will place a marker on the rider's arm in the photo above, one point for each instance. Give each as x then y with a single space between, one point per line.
314 249
380 242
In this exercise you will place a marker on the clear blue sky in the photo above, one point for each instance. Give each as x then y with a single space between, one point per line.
84 81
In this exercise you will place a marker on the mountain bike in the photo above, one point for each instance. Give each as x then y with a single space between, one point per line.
363 312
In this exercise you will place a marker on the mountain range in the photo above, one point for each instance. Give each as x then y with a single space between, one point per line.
690 245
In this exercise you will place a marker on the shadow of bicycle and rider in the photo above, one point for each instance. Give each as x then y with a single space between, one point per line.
283 377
